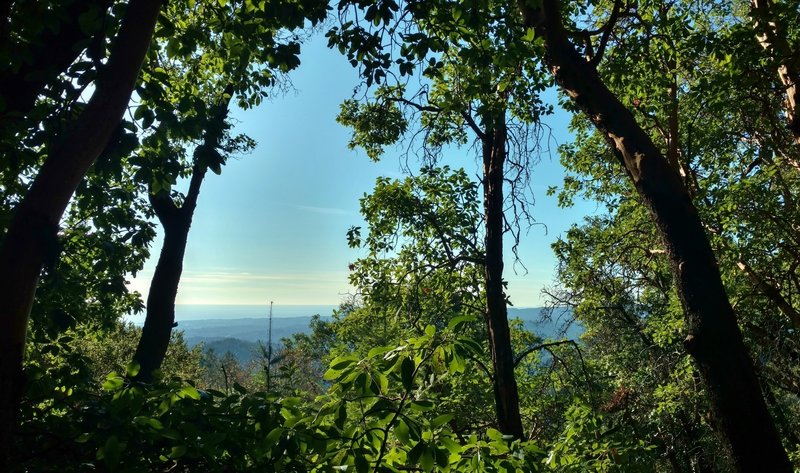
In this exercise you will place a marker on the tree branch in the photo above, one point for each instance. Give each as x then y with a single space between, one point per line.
607 29
542 346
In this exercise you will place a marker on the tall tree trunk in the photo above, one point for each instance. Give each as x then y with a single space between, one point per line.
506 395
177 221
714 339
32 233
160 318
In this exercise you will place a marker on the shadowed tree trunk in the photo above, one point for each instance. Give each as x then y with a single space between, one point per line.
160 317
31 235
177 221
506 395
714 339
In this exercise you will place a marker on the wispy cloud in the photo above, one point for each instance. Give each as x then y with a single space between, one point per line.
225 277
322 210
243 287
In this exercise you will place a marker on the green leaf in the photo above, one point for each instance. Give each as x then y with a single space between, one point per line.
190 392
341 415
407 373
215 167
273 436
382 381
441 420
426 460
402 433
416 452
342 362
171 434
177 451
362 464
421 406
111 452
443 458
138 114
363 383
173 45
378 351
144 420
132 369
456 322
113 382
148 118
494 434
530 34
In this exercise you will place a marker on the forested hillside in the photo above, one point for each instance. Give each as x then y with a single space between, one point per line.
677 301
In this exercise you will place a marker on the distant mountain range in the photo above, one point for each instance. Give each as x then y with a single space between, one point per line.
240 336
248 329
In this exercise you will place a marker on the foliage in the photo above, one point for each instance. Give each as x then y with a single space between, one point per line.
586 444
423 247
90 353
381 413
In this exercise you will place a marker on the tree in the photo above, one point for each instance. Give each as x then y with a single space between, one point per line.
714 339
186 92
31 232
476 71
176 221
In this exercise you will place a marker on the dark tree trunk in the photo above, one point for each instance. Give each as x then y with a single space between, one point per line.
177 221
506 395
31 235
160 318
714 339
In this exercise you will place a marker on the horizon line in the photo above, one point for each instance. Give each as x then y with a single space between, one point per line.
320 305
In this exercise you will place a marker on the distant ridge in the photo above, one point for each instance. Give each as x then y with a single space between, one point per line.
255 328
248 329
186 312
241 334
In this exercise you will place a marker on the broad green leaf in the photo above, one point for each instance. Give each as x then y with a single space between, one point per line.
401 432
407 373
190 392
441 420
421 405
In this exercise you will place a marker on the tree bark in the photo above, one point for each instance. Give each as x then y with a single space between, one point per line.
160 318
714 339
772 37
506 394
32 233
177 221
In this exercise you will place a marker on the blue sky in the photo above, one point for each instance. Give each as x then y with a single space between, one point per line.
272 226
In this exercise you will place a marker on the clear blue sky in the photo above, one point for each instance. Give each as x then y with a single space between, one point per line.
272 226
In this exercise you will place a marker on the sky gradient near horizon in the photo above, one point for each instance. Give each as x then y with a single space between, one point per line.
273 225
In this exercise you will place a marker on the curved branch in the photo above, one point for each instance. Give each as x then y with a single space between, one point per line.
607 29
474 126
541 346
